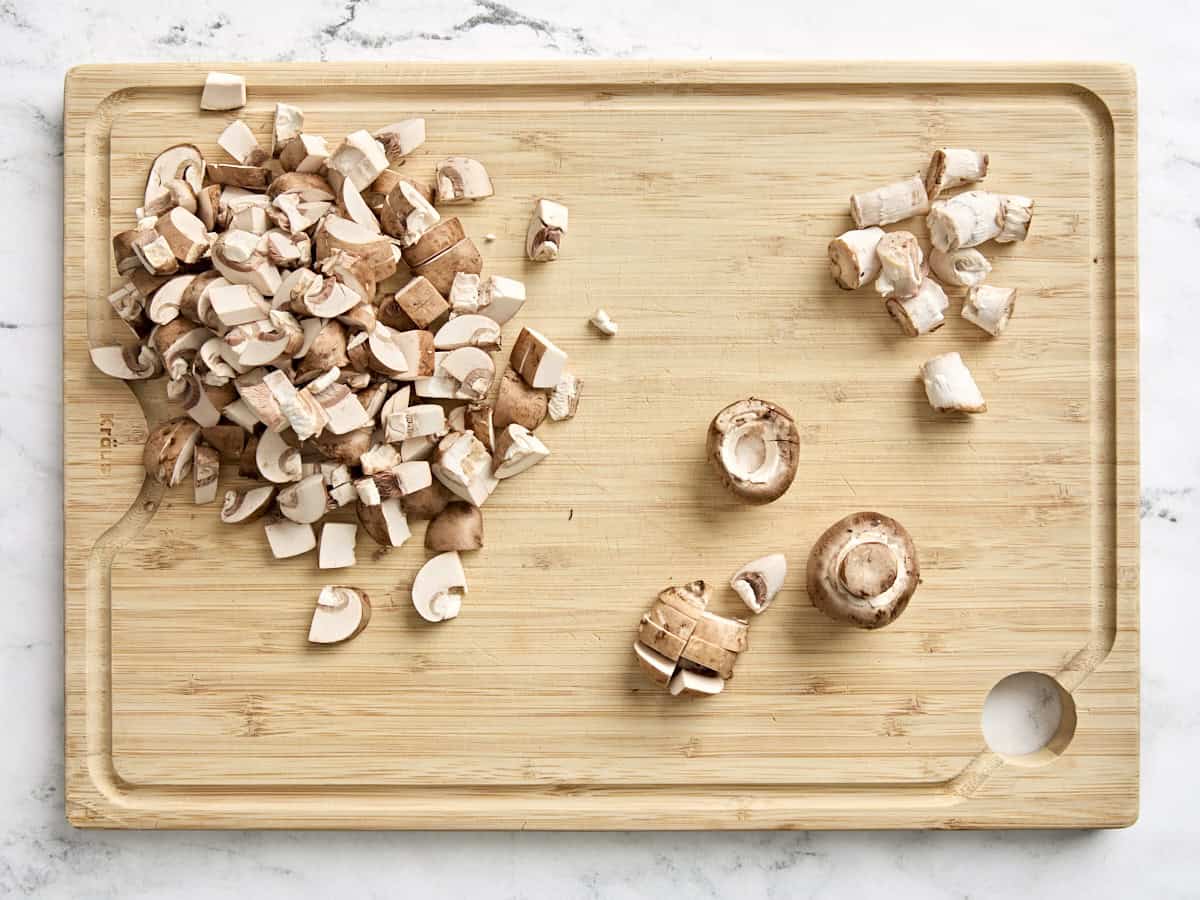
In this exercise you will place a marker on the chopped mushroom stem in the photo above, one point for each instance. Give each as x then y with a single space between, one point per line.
890 203
951 168
758 582
959 268
949 385
902 266
547 226
1016 214
966 220
922 313
601 321
863 570
852 257
989 307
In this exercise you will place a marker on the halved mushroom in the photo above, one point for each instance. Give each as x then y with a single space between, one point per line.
501 298
276 461
464 466
401 138
305 501
358 159
337 545
206 469
131 362
287 538
182 161
167 455
564 401
439 588
457 527
517 402
547 225
537 360
863 570
468 331
517 450
695 684
385 522
461 179
759 581
754 446
223 91
949 385
342 613
242 506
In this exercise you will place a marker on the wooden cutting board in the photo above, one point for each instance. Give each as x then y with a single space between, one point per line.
702 198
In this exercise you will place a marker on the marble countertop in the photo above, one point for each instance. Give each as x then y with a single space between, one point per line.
40 855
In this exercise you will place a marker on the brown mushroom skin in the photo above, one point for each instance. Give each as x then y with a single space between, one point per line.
427 503
457 527
163 447
345 448
788 446
842 578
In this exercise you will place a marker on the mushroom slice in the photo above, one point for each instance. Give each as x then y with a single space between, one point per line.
305 153
287 538
239 142
461 179
415 421
658 667
989 307
437 240
725 633
380 458
439 588
517 450
518 402
182 161
464 466
922 313
385 522
708 657
305 501
949 385
863 570
301 409
501 298
852 258
564 401
695 684
223 91
401 138
276 461
257 343
547 225
206 470
457 527
132 362
337 545
759 581
164 306
416 305
537 360
754 446
242 506
167 454
960 268
473 369
342 613
259 398
468 331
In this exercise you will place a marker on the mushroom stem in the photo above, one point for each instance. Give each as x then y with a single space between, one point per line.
890 203
951 167
922 313
966 267
989 307
852 257
966 220
902 266
949 385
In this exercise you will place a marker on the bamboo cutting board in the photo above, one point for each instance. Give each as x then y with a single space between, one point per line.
702 198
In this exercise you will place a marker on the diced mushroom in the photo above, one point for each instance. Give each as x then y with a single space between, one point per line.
951 168
464 466
852 257
863 570
305 501
501 298
337 545
237 304
441 269
890 203
473 369
1016 214
182 161
517 402
949 385
380 458
416 305
437 240
239 142
564 401
922 313
227 440
754 445
276 461
401 138
385 522
304 153
537 360
287 538
157 257
336 233
758 582
167 455
359 159
440 587
342 613
415 421
344 448
406 215
287 124
989 307
185 234
461 179
243 506
223 91
517 450
547 226
464 294
959 268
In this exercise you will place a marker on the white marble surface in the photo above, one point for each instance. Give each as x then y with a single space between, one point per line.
41 856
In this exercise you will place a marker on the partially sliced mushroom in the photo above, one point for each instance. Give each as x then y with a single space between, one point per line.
547 226
754 445
656 666
462 257
989 307
564 401
949 385
416 305
276 461
439 588
464 466
457 527
720 631
385 522
359 159
694 684
342 613
223 91
337 545
758 582
660 640
960 268
167 454
287 538
501 298
461 179
401 138
206 471
132 362
517 402
863 570
305 501
468 331
517 450
243 506
852 258
537 360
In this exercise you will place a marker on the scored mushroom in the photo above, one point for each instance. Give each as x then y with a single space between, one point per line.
758 582
342 613
863 570
439 588
949 385
457 527
754 446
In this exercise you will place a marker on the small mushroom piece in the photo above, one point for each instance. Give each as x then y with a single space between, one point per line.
165 305
386 351
517 402
1016 214
863 570
167 454
537 360
657 667
501 298
301 409
687 683
412 476
336 233
457 527
401 138
417 346
759 581
604 324
355 208
901 264
157 257
182 161
478 419
206 470
464 466
416 305
305 501
852 257
547 226
439 588
951 167
464 294
890 203
287 538
239 142
237 304
966 267
439 385
922 313
965 220
468 331
461 179
989 307
473 369
243 506
276 461
223 91
380 458
132 362
385 522
337 545
343 410
564 400
305 153
415 421
517 450
240 413
949 385
754 446
441 270
406 215
287 124
342 613
184 233
359 159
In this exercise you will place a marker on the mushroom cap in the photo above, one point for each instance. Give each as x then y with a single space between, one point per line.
863 570
754 446
342 613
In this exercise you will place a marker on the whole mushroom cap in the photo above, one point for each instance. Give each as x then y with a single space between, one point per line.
754 446
863 570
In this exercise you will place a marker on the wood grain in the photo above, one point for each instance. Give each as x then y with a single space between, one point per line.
702 198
